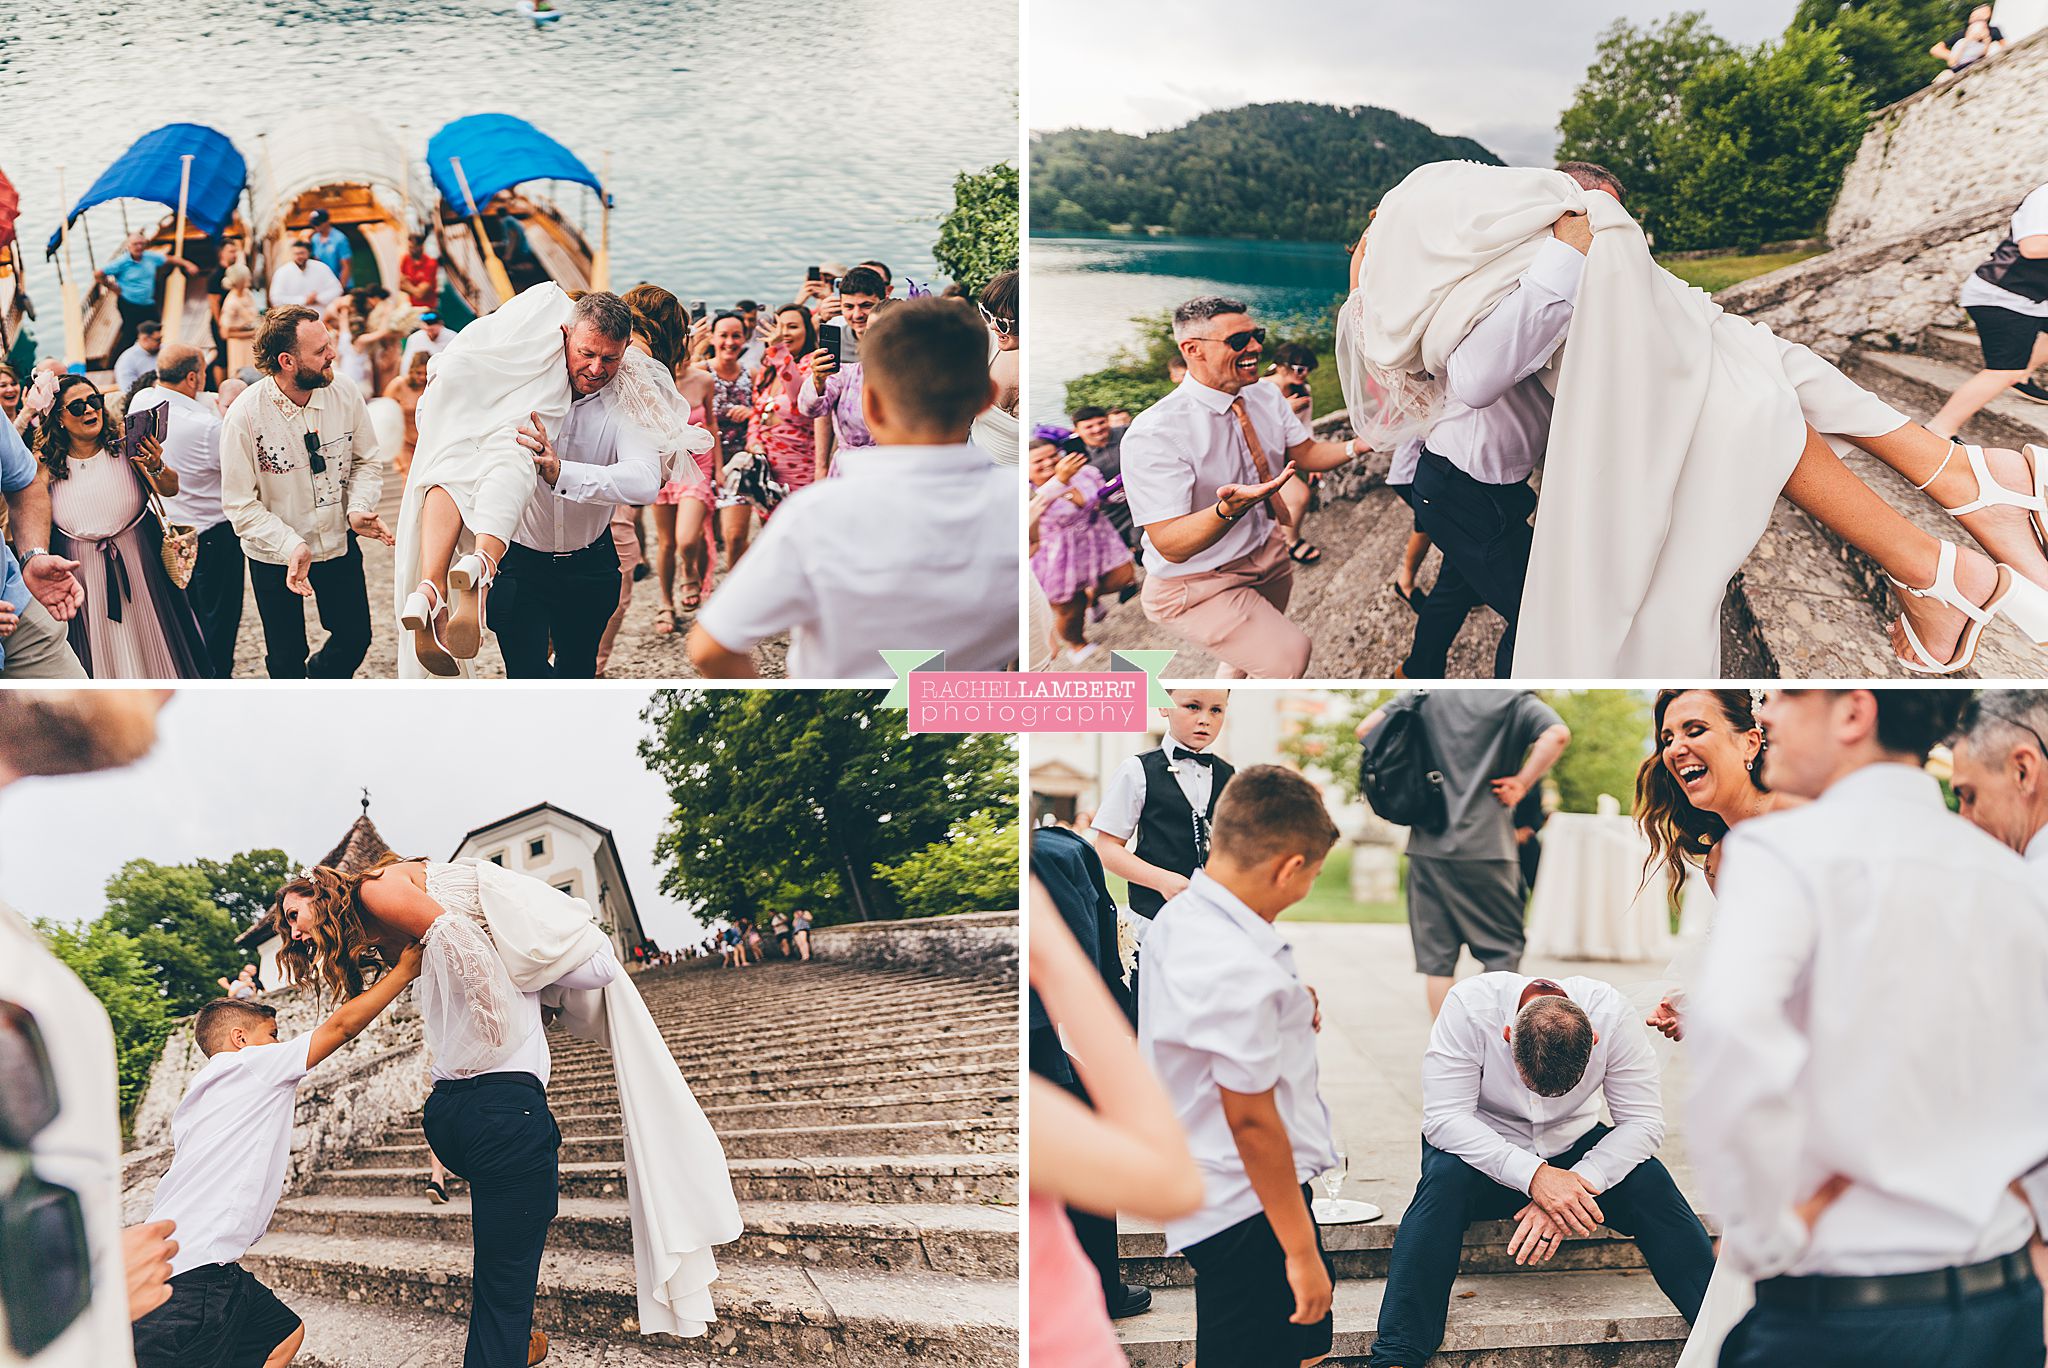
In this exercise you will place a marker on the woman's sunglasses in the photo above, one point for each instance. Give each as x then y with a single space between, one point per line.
90 403
1004 326
45 1258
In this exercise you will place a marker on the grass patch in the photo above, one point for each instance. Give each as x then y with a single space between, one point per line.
1718 273
1330 899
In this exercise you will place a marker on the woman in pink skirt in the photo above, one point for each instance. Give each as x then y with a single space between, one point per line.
682 511
789 438
1080 558
135 624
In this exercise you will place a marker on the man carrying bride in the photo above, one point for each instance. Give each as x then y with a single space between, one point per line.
1870 1096
1512 1086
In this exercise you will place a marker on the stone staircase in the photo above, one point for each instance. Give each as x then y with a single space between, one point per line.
1594 1305
870 1120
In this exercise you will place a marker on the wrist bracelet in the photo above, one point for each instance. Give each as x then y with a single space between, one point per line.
1227 517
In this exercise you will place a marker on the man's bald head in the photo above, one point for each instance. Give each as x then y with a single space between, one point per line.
181 368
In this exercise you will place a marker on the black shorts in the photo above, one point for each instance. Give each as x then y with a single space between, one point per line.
218 1316
1242 1300
2007 336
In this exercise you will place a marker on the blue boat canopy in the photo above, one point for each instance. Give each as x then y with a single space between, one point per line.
150 170
498 152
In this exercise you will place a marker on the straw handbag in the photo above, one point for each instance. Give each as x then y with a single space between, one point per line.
181 543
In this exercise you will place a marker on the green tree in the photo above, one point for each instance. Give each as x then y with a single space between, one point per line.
183 936
1136 378
244 885
1329 743
1610 737
1766 135
1628 114
784 798
1884 43
112 965
973 870
979 239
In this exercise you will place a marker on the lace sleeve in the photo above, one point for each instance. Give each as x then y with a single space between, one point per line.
466 998
647 398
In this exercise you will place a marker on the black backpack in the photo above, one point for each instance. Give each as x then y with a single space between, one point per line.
1398 774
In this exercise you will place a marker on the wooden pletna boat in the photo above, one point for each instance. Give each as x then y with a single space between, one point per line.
348 164
153 171
497 233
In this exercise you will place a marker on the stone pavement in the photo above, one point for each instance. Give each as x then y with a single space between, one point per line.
641 653
1594 1304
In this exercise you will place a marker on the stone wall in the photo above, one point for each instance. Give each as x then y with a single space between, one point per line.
1880 292
351 1100
1979 137
972 940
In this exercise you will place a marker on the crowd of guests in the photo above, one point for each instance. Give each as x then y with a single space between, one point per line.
739 941
1086 553
129 558
1857 918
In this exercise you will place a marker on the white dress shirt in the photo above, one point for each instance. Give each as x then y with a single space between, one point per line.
132 365
1871 1005
1496 423
269 489
532 1055
1179 452
910 548
1221 1006
1123 798
1475 1105
311 284
192 450
421 341
233 1132
606 461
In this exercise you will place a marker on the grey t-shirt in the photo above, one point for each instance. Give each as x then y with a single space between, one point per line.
1479 735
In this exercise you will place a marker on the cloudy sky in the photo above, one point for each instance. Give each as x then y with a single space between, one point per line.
1499 71
242 769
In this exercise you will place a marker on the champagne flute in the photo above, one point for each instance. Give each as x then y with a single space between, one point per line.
1333 1180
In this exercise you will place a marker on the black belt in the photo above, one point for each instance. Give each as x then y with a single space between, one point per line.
1932 1288
521 1080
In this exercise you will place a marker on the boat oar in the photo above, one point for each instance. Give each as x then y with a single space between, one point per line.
500 281
174 287
74 317
601 268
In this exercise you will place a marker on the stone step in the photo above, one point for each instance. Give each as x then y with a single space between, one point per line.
972 1135
822 1087
1614 1319
958 1239
937 1106
978 1028
852 1178
1361 1250
856 1055
1917 385
341 1334
1958 346
805 990
772 1312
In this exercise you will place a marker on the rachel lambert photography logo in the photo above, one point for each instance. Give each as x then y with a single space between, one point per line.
940 700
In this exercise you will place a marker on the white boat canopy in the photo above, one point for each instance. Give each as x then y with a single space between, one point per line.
329 147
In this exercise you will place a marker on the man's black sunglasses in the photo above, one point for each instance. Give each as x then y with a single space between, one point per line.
313 456
1238 341
79 407
45 1258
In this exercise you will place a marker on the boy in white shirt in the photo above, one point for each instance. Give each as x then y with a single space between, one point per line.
1229 1028
233 1135
911 546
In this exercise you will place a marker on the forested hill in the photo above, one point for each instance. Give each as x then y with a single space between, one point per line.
1303 171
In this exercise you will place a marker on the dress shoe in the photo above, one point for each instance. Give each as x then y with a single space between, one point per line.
536 1347
1134 1301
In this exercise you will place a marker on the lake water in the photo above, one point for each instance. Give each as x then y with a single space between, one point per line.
723 184
1085 292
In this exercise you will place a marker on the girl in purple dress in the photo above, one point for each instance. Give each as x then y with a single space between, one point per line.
1078 556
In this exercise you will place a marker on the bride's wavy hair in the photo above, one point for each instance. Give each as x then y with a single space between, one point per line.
660 317
1679 833
337 953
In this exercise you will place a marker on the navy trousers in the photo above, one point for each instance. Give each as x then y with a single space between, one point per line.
1996 1330
1453 1194
1484 533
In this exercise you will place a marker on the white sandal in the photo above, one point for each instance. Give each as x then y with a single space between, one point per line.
422 615
470 577
1992 494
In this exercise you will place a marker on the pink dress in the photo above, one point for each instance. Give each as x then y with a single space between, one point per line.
135 624
789 438
1077 546
1069 1324
704 491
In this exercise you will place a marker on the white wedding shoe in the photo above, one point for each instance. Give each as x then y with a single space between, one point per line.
470 578
424 612
1944 591
1992 494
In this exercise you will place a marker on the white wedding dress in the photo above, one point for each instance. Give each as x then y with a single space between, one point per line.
503 933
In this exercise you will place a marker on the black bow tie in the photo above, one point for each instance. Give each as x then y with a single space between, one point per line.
1202 758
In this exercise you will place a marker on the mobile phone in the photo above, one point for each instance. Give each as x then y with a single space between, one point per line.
830 335
1075 445
813 274
150 422
698 310
831 282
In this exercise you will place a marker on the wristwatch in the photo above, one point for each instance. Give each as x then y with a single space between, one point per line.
31 554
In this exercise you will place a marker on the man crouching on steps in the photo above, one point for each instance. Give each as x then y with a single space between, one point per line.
1511 1091
1230 1029
233 1132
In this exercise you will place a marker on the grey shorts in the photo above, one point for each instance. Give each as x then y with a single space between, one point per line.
39 648
1454 903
